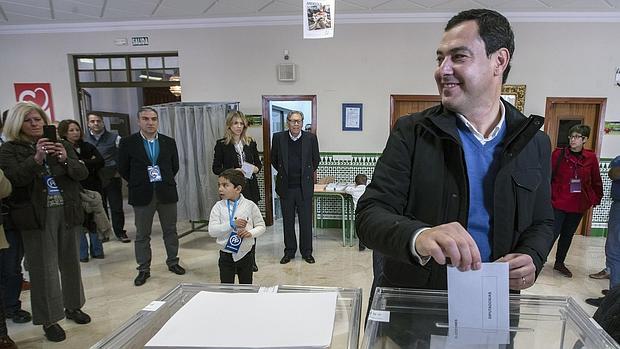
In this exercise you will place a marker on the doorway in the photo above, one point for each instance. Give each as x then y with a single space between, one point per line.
275 110
561 113
401 105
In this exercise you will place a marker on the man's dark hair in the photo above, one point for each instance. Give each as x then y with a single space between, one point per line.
493 28
234 176
581 129
361 179
146 108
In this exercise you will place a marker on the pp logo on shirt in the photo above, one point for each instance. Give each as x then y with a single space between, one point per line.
235 240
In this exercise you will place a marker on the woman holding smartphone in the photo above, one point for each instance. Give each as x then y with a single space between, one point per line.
45 207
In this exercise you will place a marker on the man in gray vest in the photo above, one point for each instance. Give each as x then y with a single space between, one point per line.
107 144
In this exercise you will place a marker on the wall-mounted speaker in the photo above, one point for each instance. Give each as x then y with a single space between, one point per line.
286 72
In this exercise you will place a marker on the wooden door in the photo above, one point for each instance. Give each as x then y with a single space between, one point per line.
158 95
401 105
561 113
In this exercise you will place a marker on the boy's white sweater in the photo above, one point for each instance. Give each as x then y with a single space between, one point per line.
219 224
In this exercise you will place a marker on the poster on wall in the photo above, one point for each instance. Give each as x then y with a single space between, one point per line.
612 128
318 19
37 92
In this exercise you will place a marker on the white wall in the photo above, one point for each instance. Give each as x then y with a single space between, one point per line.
362 64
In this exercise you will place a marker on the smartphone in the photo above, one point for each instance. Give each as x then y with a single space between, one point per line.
49 132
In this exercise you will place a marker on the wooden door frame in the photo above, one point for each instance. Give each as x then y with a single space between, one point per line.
267 143
408 98
599 129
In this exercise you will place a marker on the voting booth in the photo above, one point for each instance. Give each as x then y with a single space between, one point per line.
405 318
181 307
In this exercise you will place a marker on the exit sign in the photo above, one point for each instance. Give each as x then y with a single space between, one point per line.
140 41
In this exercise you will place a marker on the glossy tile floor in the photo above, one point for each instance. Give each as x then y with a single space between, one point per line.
112 298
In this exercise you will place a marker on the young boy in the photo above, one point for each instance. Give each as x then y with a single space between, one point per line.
235 221
356 192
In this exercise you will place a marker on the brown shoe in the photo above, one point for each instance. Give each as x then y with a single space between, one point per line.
7 343
603 274
563 270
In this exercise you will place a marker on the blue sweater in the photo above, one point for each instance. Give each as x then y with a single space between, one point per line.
482 163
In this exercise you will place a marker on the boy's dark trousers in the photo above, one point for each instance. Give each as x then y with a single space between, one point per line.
243 268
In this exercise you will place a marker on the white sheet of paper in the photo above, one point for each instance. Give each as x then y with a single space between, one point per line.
247 169
478 303
250 320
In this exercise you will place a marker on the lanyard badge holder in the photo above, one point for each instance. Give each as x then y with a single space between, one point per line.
153 171
234 241
54 196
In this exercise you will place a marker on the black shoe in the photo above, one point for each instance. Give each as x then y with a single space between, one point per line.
7 343
101 256
285 259
78 316
19 316
361 247
604 292
84 260
563 270
595 302
254 267
123 238
177 269
141 278
309 259
54 333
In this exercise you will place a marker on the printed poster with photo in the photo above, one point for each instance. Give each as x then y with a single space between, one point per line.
39 93
318 19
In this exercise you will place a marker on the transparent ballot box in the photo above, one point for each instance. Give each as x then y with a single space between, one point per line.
141 327
407 318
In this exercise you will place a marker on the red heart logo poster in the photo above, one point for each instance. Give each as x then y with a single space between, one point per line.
39 93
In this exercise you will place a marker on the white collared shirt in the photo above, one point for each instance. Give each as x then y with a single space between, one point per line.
149 140
479 136
293 138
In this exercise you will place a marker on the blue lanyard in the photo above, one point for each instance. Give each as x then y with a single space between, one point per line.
231 214
151 146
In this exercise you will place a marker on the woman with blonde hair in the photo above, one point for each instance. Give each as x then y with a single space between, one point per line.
45 207
238 151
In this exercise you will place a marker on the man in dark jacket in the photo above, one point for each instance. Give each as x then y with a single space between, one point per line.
466 180
149 161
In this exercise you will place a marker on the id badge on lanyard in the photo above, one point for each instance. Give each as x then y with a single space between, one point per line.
153 171
234 241
575 185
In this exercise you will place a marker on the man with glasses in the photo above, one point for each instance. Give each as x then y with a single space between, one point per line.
295 155
576 186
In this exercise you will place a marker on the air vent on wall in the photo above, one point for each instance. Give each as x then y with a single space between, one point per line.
286 72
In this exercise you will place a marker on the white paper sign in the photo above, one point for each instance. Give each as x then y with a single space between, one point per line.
318 18
478 305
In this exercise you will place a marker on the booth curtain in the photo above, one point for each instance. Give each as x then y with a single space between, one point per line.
195 127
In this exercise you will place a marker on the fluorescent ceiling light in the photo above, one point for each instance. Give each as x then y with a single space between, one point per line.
148 77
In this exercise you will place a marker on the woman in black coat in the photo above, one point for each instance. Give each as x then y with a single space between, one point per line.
237 150
71 131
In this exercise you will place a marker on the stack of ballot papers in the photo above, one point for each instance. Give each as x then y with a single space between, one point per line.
250 320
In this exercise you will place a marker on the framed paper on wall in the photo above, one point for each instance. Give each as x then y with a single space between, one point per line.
351 116
515 95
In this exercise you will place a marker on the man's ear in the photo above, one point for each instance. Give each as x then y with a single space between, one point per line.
502 58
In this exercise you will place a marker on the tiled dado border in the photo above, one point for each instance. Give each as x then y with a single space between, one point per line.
344 167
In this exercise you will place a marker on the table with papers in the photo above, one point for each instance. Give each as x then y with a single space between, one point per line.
409 318
193 314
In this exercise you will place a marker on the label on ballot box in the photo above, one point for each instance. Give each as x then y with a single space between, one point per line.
234 242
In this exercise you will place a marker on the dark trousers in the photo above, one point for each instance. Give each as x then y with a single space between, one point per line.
242 268
112 195
296 203
564 226
144 223
3 330
11 269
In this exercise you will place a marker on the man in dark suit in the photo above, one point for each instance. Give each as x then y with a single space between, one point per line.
295 155
149 161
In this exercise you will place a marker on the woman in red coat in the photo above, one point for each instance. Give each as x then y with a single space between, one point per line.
576 186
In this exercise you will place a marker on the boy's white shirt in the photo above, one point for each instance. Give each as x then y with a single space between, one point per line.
219 224
356 192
